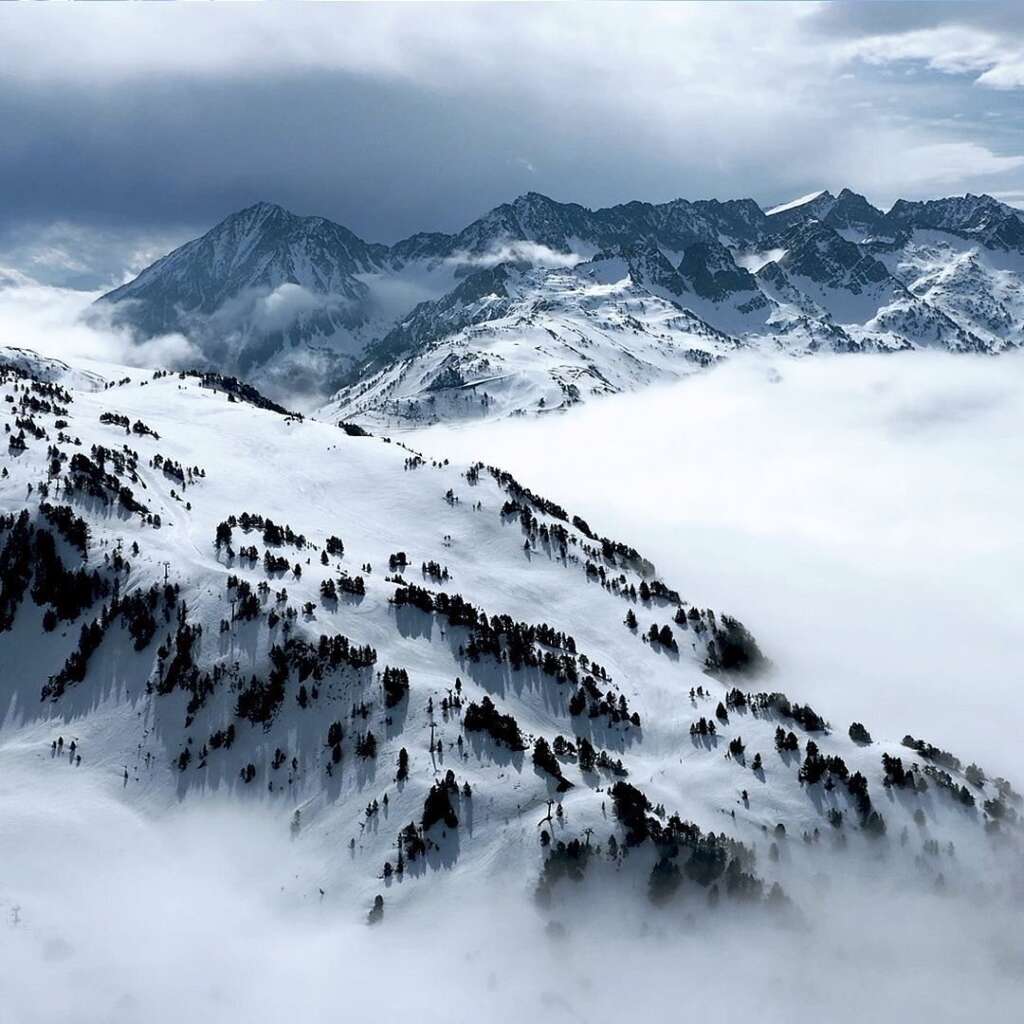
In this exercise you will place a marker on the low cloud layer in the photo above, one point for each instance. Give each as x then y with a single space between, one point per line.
517 252
859 513
271 309
111 915
62 323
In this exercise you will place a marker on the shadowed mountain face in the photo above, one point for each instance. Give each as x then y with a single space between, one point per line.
300 304
261 246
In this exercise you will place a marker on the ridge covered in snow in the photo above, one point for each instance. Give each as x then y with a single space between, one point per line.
794 203
424 670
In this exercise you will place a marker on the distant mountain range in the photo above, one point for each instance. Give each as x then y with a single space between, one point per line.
540 304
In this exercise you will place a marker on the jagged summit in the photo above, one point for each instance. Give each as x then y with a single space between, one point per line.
846 211
263 208
981 218
263 245
852 211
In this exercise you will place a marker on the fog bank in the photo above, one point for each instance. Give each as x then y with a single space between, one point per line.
215 913
63 323
860 514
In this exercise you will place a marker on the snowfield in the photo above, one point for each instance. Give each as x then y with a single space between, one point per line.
381 498
794 203
568 336
672 814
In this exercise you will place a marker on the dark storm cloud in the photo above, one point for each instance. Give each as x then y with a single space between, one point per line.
150 124
382 158
385 159
188 152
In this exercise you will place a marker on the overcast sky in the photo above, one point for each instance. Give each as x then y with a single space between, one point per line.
128 128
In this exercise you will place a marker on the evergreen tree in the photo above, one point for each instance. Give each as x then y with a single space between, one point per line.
376 914
859 734
438 807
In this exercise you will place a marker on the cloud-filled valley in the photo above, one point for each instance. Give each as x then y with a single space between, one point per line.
859 510
214 911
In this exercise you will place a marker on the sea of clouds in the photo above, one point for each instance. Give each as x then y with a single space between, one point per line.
860 514
110 915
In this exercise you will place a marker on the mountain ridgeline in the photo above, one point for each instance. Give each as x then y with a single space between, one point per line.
539 304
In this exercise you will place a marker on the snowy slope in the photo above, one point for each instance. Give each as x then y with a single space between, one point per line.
821 200
53 371
979 288
533 341
150 715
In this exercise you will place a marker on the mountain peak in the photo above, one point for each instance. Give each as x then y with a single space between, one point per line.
977 217
265 206
852 210
268 293
531 198
260 211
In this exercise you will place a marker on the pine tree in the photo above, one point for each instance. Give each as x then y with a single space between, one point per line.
587 755
376 914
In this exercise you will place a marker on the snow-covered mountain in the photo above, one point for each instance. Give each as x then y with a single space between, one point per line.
512 340
427 671
299 304
265 290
